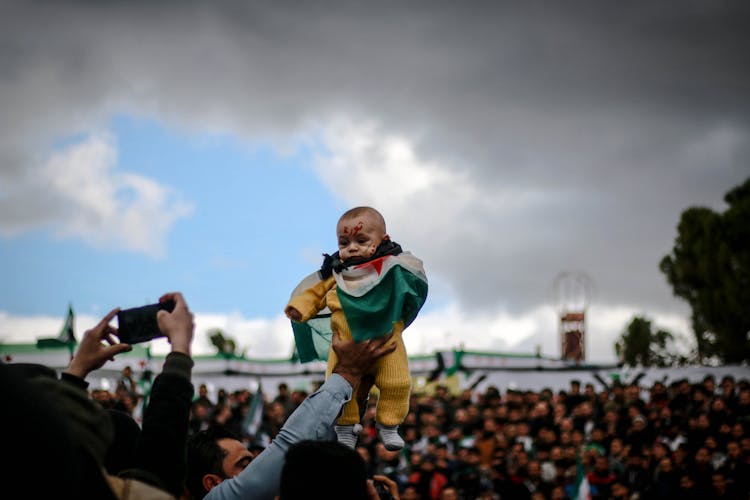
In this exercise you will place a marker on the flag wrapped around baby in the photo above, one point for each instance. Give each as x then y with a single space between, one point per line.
374 295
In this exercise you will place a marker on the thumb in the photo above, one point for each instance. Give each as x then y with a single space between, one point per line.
372 493
161 319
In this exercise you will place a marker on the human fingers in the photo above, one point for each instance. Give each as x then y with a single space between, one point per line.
336 337
384 349
293 314
112 338
101 326
377 343
114 350
109 335
178 323
180 310
372 493
383 339
337 343
109 352
389 483
178 298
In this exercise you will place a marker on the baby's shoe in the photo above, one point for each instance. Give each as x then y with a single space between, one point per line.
347 434
389 437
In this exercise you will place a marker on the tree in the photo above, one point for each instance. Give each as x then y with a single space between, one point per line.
709 267
640 345
226 346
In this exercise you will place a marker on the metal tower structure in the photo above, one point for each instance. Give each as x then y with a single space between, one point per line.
572 289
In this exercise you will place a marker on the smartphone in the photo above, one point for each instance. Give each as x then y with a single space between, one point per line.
139 323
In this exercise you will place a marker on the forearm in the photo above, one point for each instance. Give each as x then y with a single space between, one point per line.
313 419
161 446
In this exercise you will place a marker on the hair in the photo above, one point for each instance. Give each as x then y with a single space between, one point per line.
323 469
121 454
54 419
205 456
359 211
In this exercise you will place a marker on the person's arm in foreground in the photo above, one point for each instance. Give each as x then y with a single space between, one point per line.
161 446
313 419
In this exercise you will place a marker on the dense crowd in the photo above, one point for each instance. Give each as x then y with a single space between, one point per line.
62 440
681 440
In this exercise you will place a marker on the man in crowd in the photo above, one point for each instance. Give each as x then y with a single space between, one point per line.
233 478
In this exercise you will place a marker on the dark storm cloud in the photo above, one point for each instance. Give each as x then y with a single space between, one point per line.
612 116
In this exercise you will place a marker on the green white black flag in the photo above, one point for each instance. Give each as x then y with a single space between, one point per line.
374 296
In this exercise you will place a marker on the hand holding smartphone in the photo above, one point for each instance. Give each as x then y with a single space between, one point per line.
139 324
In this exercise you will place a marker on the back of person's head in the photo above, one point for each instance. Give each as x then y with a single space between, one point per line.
323 469
38 422
29 371
121 453
87 422
205 456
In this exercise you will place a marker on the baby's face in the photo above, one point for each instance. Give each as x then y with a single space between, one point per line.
359 236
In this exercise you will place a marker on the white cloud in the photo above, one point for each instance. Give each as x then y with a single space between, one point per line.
257 337
369 163
427 205
452 327
80 193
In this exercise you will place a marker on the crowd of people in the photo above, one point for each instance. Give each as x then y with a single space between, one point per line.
674 439
60 441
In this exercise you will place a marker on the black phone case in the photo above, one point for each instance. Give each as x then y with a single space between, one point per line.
139 323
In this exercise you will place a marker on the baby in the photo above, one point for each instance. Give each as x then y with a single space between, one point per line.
372 288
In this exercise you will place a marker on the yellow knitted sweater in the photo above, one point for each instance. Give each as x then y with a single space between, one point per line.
392 377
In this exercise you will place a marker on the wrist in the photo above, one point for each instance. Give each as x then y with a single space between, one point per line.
181 347
76 371
350 376
180 340
178 363
74 380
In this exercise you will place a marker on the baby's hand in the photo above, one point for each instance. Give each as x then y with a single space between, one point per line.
293 314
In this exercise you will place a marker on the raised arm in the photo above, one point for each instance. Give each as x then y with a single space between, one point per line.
161 447
313 419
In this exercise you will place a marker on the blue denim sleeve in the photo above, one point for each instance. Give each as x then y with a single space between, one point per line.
313 419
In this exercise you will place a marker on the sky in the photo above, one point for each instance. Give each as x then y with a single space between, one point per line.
515 147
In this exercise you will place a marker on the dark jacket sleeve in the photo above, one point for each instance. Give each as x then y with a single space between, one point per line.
161 447
73 380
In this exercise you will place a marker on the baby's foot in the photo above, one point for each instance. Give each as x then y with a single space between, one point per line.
390 438
347 434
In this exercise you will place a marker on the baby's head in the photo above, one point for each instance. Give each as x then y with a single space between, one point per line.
359 232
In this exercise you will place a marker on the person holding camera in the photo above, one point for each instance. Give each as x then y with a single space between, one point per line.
159 451
56 420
